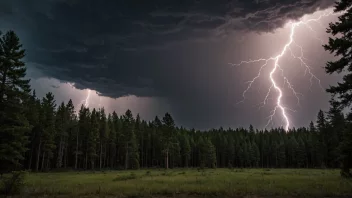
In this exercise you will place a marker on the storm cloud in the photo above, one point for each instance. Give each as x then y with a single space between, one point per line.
167 49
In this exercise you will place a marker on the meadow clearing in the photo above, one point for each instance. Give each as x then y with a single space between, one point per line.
190 183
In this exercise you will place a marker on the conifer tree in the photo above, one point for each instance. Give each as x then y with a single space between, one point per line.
103 135
230 151
336 121
322 127
255 154
129 141
185 150
281 154
33 116
210 153
92 138
301 154
81 136
49 133
72 130
341 45
167 137
14 90
112 141
133 152
61 126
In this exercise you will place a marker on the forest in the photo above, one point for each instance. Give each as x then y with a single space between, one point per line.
60 138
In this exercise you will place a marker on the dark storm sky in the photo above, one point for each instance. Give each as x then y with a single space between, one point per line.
170 55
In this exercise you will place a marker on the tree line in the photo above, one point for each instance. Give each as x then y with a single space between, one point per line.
60 137
93 139
38 135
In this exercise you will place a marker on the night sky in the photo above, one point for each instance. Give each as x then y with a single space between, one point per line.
172 56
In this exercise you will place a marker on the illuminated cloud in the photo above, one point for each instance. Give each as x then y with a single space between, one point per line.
156 49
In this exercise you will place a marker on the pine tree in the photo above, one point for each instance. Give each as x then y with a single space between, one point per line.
185 150
130 141
321 121
61 125
230 151
340 45
337 125
48 135
281 154
255 154
167 136
139 135
112 141
14 90
72 130
243 154
322 127
81 136
301 154
345 149
117 126
292 151
32 115
92 138
103 134
133 152
312 128
210 153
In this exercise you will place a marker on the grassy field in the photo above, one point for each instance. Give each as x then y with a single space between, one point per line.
191 183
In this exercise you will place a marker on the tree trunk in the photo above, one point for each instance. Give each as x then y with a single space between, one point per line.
112 156
43 159
30 158
86 164
38 156
100 156
142 151
47 164
105 157
59 156
3 80
76 154
126 157
167 159
65 155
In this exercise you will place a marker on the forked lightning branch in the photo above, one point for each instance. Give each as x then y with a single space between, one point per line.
274 63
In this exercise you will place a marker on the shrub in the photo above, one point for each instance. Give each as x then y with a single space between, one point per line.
126 177
345 174
12 183
167 173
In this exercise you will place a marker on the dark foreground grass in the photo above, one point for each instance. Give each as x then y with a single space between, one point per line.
191 183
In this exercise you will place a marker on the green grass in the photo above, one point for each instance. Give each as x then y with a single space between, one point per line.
191 183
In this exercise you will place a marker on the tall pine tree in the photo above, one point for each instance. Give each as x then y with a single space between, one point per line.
14 90
341 46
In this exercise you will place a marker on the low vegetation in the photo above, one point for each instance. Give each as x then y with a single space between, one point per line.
191 183
12 183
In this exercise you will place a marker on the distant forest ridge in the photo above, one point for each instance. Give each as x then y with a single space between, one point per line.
91 139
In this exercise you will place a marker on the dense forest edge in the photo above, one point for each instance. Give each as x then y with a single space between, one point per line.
36 134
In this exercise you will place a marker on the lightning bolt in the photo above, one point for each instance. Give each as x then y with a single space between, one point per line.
276 66
99 105
85 102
